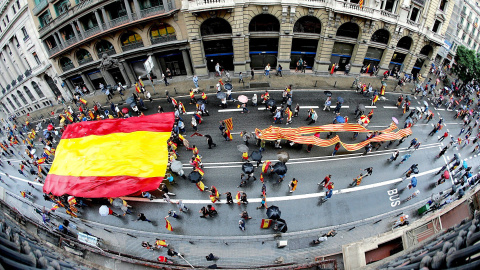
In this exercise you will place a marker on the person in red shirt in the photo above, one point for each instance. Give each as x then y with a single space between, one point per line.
325 181
445 135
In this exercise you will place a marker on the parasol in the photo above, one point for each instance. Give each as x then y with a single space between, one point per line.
446 174
50 127
194 177
176 166
103 210
395 120
242 148
283 156
270 102
221 95
364 119
327 93
339 119
256 155
228 86
280 225
125 110
340 99
273 212
247 168
280 168
243 99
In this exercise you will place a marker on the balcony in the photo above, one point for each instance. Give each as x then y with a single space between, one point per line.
54 50
13 83
419 2
70 42
28 73
85 60
203 5
27 37
118 21
412 23
132 46
20 78
39 7
67 67
152 11
388 14
353 9
92 31
108 52
163 39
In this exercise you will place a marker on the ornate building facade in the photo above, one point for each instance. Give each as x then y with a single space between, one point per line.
28 81
190 36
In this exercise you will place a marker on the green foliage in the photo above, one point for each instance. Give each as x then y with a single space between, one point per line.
467 65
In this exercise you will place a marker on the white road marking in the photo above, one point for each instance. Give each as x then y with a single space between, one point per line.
370 107
343 107
309 107
390 107
230 110
23 180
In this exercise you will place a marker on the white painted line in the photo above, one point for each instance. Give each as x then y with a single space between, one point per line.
439 109
343 107
189 113
309 107
230 110
370 107
262 109
23 180
390 107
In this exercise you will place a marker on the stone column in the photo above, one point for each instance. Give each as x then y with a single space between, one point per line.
14 68
124 73
157 71
137 9
324 54
129 71
108 77
80 27
59 40
6 72
129 10
198 58
358 57
105 18
97 17
75 31
88 82
17 58
186 61
385 61
165 5
69 84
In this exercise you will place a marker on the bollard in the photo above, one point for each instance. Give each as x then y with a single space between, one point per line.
107 230
351 228
175 90
131 235
377 221
335 85
399 214
315 84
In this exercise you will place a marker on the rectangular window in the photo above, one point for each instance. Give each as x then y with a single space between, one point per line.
18 4
461 20
463 36
13 9
35 56
25 34
61 7
6 17
436 26
414 14
443 5
469 41
45 18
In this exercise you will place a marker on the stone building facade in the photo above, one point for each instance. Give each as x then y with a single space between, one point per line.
187 37
28 81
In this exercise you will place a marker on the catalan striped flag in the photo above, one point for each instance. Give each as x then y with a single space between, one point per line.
229 123
168 225
111 158
265 223
360 3
141 82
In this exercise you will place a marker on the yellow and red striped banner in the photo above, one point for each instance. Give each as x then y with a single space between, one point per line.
111 158
297 135
229 123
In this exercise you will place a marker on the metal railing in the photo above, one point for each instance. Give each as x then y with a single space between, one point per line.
71 41
118 21
355 7
388 14
162 39
92 31
132 46
152 11
108 52
13 83
67 67
85 60
39 7
54 50
413 23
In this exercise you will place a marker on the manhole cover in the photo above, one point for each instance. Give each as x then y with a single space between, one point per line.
259 85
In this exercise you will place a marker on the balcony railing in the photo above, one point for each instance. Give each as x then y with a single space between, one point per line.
92 31
54 50
13 83
108 52
118 21
28 73
132 46
412 23
152 11
39 7
354 7
163 39
67 67
419 2
85 60
70 42
20 78
388 14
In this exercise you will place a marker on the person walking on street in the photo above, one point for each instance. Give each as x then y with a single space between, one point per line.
357 181
412 143
195 81
369 171
293 185
252 74
445 135
337 146
442 152
405 157
263 203
394 156
241 224
210 141
172 213
142 217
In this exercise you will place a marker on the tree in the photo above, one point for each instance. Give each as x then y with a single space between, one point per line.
467 65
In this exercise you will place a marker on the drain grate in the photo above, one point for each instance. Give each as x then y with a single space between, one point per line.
259 85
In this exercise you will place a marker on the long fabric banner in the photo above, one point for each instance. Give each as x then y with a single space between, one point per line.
297 135
111 158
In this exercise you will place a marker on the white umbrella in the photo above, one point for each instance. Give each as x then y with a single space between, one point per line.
103 210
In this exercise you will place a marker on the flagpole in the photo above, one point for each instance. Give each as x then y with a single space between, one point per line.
186 261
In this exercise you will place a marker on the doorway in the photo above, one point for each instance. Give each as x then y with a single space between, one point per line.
52 86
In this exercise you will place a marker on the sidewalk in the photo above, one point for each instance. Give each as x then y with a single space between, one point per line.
181 85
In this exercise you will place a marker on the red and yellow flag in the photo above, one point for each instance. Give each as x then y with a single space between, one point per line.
83 101
111 158
137 88
213 198
238 197
41 160
161 243
201 186
228 123
360 3
168 225
265 223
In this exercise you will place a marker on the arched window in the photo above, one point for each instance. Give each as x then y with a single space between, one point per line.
16 101
426 50
349 29
29 93
381 36
162 33
66 63
405 43
264 23
37 90
83 56
130 38
11 103
215 26
5 108
308 24
104 46
20 95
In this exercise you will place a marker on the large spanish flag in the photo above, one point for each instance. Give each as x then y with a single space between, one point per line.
111 158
